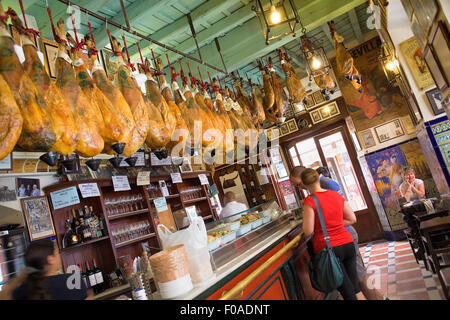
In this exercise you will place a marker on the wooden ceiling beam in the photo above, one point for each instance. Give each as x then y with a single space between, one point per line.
355 25
199 16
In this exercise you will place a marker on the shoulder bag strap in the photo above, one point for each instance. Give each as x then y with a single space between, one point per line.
322 222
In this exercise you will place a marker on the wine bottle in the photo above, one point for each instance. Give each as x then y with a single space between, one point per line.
70 237
83 276
98 230
98 277
85 230
91 277
76 227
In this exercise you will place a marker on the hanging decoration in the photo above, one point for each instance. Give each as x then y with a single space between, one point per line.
284 12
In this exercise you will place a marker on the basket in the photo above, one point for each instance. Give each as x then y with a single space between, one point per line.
228 237
256 224
244 229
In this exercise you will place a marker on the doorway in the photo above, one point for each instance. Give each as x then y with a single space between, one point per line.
332 149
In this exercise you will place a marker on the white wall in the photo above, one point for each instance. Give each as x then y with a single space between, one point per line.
399 29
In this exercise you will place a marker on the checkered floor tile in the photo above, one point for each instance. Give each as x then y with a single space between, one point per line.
402 278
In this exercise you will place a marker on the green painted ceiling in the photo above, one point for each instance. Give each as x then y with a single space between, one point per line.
232 21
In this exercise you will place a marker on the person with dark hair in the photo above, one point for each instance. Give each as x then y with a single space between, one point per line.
232 207
337 214
43 282
28 191
295 176
326 182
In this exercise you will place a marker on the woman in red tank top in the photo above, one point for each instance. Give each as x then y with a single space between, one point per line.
337 214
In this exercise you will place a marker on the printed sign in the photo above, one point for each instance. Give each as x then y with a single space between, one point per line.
163 187
121 183
143 178
176 177
64 198
156 162
160 204
203 179
89 190
213 190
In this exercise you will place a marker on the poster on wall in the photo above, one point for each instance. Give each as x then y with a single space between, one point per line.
416 63
386 169
441 133
288 193
389 131
379 102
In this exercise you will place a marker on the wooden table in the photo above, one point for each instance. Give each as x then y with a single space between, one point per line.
438 223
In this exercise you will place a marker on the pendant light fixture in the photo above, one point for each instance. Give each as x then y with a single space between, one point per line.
274 16
390 64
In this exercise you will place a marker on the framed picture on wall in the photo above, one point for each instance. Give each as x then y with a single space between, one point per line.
408 8
311 103
441 49
389 131
6 164
418 32
435 69
318 97
367 138
38 218
435 98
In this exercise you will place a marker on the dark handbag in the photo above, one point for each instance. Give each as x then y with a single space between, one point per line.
324 269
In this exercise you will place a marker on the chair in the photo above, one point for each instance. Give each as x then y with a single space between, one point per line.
436 238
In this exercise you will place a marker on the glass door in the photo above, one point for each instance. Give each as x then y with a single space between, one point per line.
341 169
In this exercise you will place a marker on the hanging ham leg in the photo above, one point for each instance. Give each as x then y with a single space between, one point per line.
61 114
37 130
116 101
158 101
279 106
113 127
344 60
182 130
133 96
90 141
10 120
256 106
295 87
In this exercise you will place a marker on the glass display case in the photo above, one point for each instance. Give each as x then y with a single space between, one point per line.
234 235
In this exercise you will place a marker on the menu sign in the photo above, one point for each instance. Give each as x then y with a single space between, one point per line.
203 179
160 204
176 177
156 162
89 190
143 178
64 198
121 183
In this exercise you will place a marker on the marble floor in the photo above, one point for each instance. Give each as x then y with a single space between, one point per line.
396 273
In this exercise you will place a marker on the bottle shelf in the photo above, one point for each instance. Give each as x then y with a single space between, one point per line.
85 243
172 196
126 243
194 200
127 214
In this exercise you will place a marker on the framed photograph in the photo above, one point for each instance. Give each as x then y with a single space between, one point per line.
435 69
435 98
389 131
367 138
292 125
50 50
26 187
186 166
7 189
441 49
311 103
38 218
284 129
6 164
318 97
315 116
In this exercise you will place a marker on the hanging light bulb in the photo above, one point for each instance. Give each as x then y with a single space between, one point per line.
392 65
316 63
275 16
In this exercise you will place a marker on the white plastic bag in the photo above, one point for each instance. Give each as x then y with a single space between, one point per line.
195 240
